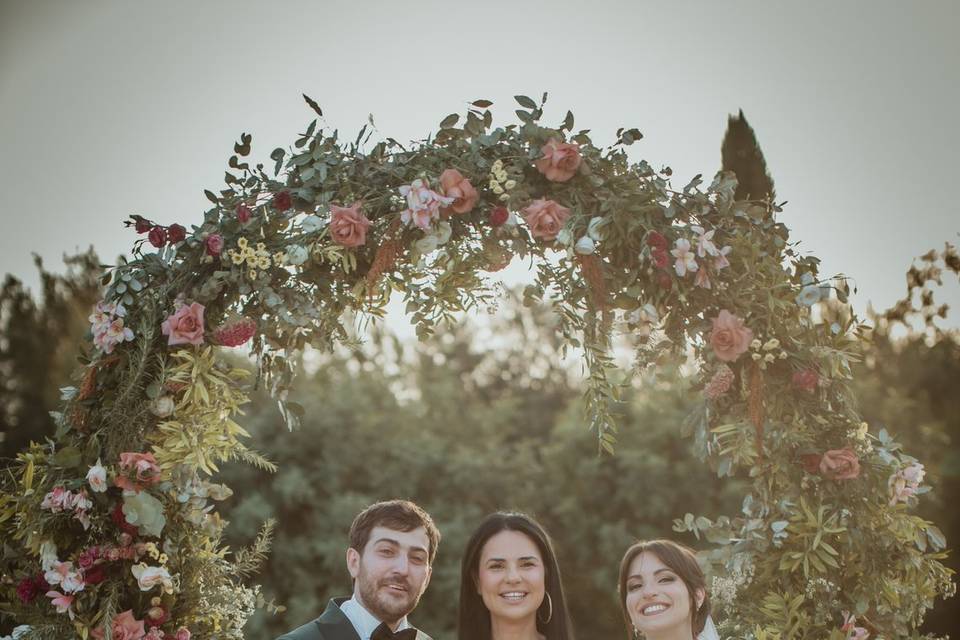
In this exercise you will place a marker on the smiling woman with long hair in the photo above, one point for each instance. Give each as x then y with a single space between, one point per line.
663 592
510 583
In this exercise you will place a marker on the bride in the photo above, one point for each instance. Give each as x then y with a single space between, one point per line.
663 593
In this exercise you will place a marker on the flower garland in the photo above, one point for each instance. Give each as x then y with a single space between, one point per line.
112 524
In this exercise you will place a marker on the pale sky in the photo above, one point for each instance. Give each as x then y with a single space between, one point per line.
113 108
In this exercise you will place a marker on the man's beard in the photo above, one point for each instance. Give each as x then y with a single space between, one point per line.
376 598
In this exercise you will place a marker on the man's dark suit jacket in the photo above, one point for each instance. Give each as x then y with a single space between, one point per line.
332 624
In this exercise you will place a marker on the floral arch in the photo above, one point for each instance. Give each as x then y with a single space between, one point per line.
109 530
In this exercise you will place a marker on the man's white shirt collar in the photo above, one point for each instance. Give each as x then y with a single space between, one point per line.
363 621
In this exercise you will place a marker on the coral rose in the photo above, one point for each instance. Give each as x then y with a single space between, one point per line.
560 160
840 464
729 338
545 218
124 626
348 226
455 186
185 326
143 465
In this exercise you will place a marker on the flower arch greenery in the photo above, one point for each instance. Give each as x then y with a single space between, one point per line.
109 529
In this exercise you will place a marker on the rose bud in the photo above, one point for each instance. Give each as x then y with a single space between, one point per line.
176 233
499 216
243 213
158 237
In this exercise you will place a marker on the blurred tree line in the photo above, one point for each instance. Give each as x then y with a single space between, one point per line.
484 416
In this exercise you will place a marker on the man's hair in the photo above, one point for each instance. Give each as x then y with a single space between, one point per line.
399 515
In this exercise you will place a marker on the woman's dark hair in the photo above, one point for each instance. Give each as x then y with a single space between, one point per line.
680 559
473 618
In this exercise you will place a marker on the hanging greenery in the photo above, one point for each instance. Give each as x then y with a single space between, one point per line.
110 531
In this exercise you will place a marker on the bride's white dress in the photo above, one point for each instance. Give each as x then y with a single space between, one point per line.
709 631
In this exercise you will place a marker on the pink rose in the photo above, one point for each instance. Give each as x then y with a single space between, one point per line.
214 244
145 468
185 326
545 218
182 634
455 186
729 338
348 226
560 160
806 380
125 627
840 464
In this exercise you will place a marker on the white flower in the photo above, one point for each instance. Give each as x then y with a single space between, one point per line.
645 317
426 244
685 259
595 228
312 223
809 295
585 246
423 204
18 632
144 511
48 555
163 406
721 262
297 254
705 244
443 232
565 237
97 477
149 577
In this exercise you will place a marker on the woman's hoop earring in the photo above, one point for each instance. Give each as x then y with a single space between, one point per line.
549 608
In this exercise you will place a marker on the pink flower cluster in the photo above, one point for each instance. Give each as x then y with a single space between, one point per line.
423 204
720 383
106 324
59 500
905 483
686 257
137 471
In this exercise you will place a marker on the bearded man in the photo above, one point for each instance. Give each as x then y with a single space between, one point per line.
391 552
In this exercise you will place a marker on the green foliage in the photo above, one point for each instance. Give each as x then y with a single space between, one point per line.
465 429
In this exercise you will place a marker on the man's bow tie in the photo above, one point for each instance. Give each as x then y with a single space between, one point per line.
383 632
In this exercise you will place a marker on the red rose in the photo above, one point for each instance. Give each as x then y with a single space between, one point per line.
282 201
94 575
243 213
27 590
499 216
121 520
660 258
214 244
656 241
806 380
157 237
176 233
143 225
